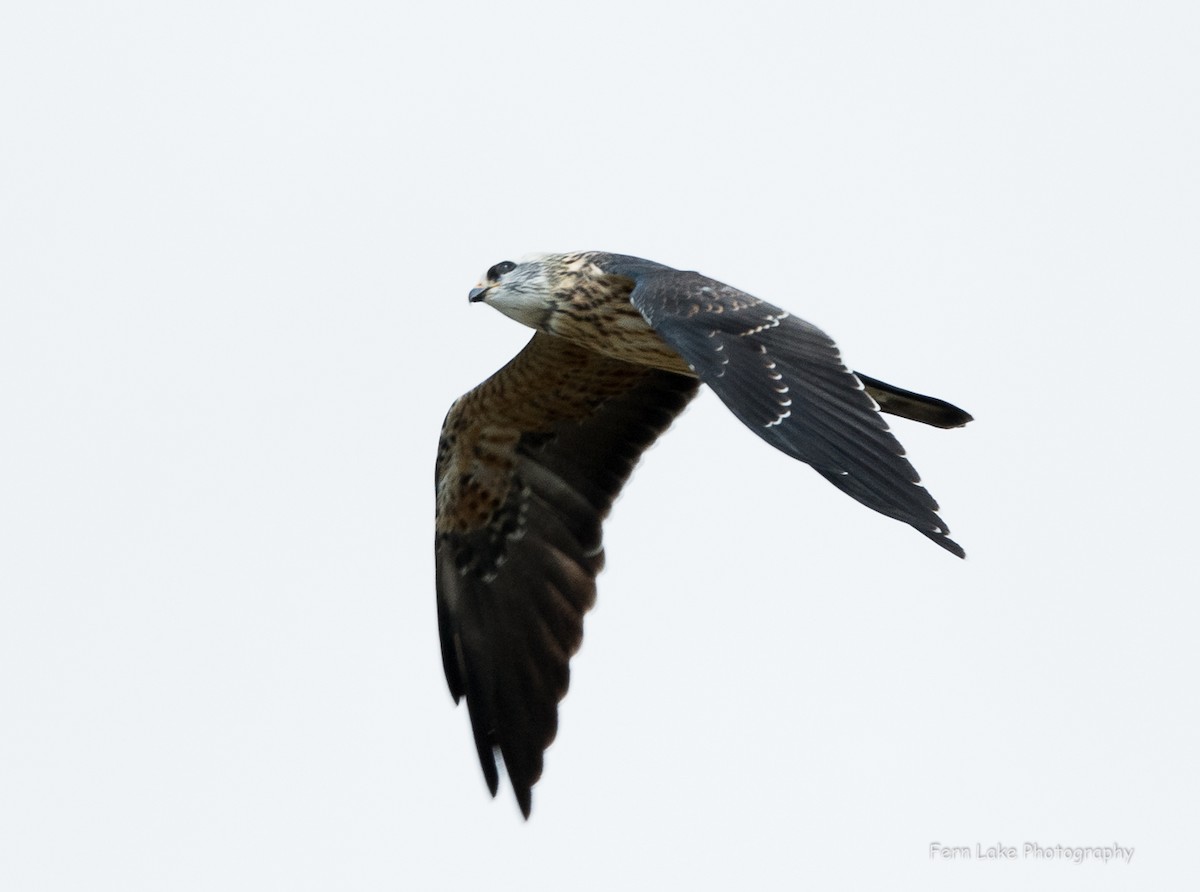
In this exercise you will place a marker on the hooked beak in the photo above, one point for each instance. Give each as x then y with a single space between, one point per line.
476 295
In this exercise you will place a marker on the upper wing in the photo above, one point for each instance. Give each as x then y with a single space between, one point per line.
528 466
785 380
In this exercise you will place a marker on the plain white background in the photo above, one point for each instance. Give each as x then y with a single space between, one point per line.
235 245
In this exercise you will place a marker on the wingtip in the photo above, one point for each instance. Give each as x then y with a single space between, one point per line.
949 544
491 773
525 801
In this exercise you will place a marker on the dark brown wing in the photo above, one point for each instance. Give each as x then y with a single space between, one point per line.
784 379
528 466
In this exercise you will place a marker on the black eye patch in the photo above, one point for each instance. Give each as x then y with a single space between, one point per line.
500 269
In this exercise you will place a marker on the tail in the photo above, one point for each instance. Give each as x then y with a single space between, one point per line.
915 406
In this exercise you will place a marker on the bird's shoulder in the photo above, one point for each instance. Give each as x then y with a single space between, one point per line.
550 382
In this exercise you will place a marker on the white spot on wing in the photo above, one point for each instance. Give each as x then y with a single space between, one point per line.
771 322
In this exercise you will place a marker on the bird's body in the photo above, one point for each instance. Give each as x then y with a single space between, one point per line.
530 461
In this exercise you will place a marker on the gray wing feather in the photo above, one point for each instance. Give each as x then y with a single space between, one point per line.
784 379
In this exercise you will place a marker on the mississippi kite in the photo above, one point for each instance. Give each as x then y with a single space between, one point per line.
530 461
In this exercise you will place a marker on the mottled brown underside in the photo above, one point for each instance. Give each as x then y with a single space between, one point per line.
528 466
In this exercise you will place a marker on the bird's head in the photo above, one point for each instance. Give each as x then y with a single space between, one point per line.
523 290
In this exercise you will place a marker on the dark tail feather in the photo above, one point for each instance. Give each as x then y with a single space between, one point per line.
915 406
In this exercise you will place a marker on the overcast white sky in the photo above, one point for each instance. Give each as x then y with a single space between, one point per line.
235 245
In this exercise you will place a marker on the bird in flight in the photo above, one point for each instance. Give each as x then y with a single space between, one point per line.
530 461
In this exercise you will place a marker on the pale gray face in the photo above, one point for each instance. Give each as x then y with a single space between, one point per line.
521 291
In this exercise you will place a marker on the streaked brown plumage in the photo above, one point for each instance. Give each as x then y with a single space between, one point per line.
531 460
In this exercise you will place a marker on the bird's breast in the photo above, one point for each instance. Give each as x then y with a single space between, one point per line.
608 323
